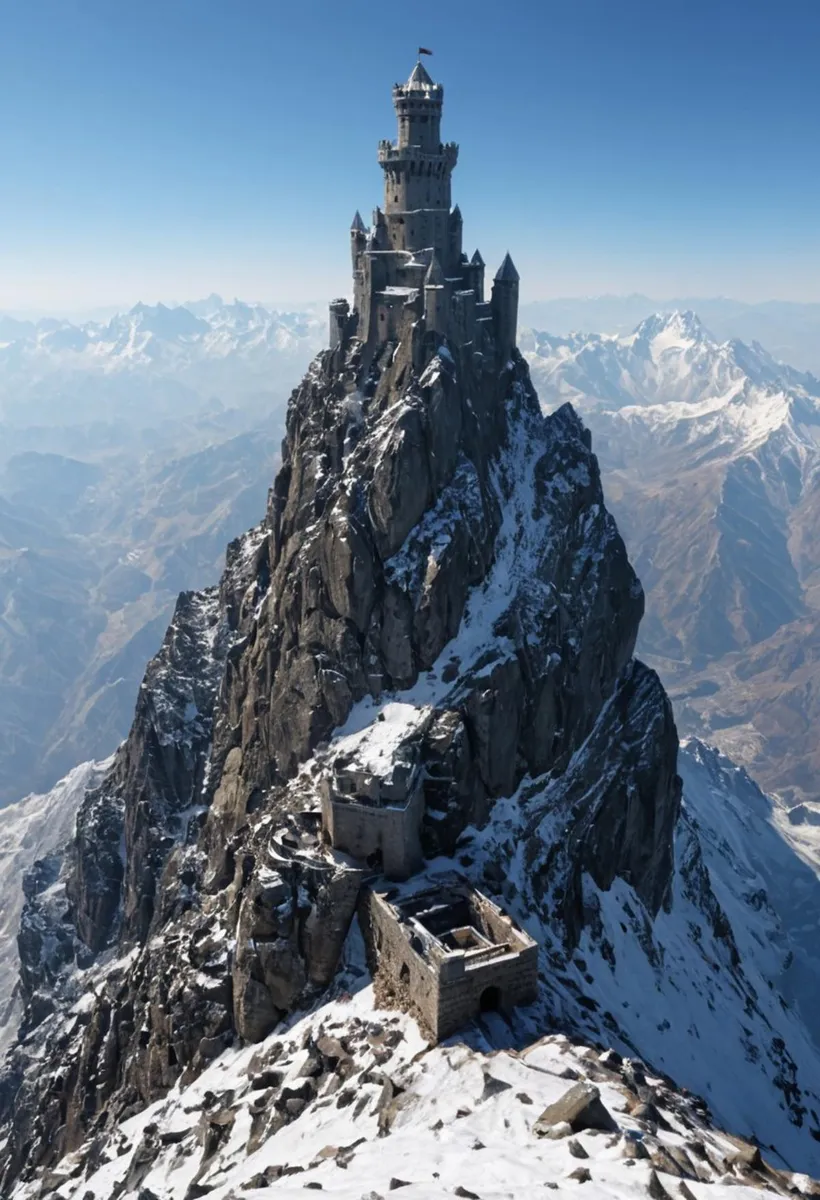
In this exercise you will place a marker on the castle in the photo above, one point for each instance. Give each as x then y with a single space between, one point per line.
410 274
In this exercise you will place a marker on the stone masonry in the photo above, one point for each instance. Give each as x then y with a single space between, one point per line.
411 277
447 953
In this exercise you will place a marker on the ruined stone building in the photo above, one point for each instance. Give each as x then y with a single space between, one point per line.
447 953
411 276
373 803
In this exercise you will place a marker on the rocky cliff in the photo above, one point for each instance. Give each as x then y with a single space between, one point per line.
431 543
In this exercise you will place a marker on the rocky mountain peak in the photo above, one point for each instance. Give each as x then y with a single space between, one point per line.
433 627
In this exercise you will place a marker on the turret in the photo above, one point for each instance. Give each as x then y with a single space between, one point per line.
358 238
418 108
505 308
435 297
477 271
417 169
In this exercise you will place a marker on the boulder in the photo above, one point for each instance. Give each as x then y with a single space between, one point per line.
580 1108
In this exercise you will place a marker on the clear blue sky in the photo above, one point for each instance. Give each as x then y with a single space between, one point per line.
166 148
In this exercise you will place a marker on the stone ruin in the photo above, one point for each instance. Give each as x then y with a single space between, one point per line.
376 815
437 947
447 953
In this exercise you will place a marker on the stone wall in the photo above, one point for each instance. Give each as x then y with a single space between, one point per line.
446 991
402 977
515 976
363 830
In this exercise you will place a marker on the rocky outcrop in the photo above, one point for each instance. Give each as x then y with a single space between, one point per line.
621 799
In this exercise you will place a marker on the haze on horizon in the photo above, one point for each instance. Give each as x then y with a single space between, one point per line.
177 149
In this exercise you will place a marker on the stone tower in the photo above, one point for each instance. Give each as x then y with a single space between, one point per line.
505 306
411 278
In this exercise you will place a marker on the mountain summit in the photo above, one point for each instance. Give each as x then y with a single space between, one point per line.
403 747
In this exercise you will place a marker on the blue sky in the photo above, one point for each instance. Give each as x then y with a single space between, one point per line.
167 148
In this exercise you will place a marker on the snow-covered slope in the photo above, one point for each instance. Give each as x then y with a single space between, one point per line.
352 1102
711 455
30 830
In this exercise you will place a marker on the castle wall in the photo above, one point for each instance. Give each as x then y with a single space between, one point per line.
419 229
364 830
504 305
460 998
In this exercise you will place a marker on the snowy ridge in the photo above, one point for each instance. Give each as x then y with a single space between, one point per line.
705 991
159 334
152 362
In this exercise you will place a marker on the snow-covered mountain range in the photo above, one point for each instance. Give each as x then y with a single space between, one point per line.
711 455
151 355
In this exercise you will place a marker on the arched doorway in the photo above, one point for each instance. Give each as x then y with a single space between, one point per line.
490 1000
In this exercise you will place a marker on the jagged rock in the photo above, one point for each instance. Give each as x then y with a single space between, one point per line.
581 1175
580 1108
655 1188
400 493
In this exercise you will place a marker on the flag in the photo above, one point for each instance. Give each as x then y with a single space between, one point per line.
423 50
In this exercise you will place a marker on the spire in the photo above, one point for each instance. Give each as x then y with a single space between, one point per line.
477 260
435 275
419 77
456 217
506 272
358 225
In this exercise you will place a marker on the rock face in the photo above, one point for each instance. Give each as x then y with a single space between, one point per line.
429 533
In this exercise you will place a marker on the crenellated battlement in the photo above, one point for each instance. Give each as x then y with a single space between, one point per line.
445 155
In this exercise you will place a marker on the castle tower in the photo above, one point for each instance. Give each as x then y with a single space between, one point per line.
504 306
358 238
477 276
410 273
417 170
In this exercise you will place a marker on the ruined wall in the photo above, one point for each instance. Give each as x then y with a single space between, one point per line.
444 993
462 984
363 830
402 978
497 926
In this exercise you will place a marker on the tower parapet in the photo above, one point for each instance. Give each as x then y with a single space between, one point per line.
409 268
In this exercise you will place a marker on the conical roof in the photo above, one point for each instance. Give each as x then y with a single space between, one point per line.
506 272
435 275
419 77
477 260
358 225
456 217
